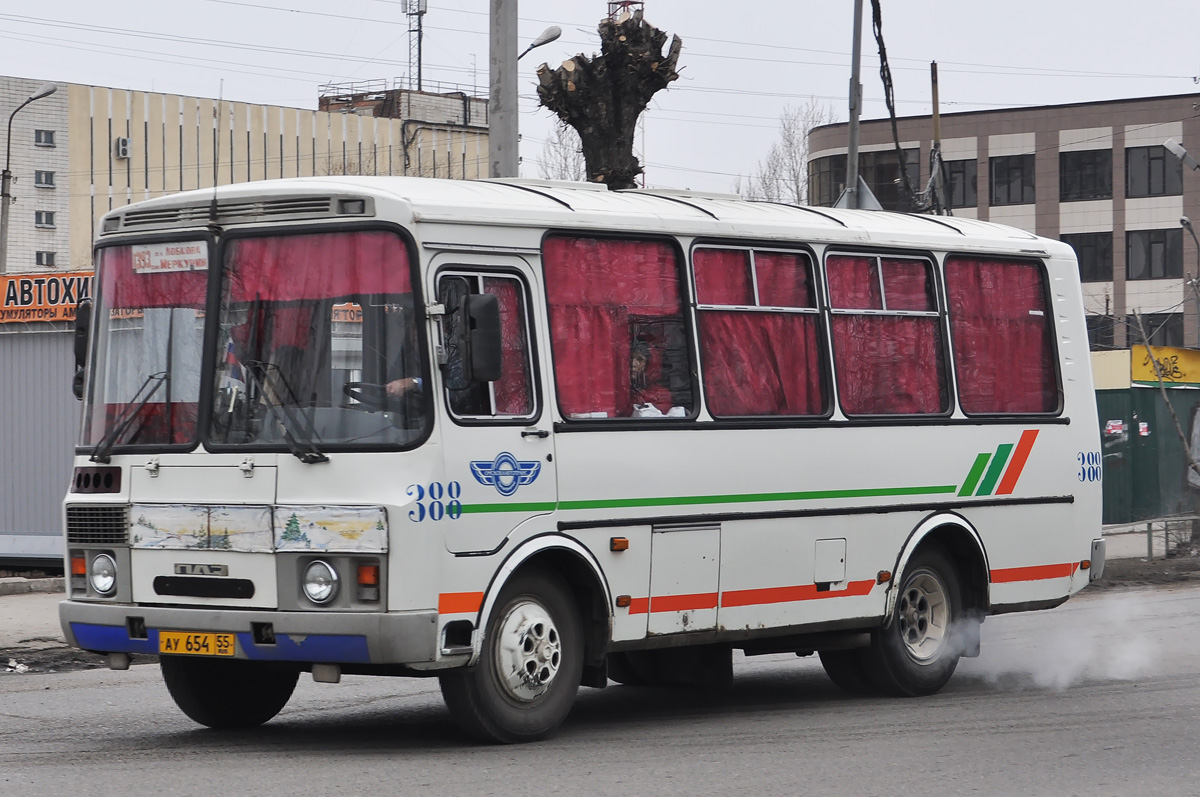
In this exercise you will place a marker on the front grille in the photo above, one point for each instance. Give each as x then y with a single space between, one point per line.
98 525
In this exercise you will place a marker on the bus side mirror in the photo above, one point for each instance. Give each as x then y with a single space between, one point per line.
481 311
83 323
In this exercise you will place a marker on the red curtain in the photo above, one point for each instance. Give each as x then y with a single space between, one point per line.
853 283
783 280
889 365
317 266
512 390
122 288
761 363
886 365
906 285
1003 351
723 276
604 299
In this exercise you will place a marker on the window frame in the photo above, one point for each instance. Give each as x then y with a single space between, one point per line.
532 361
971 184
940 312
1084 168
1028 168
686 298
1047 300
44 138
1167 232
45 258
816 274
44 219
1172 171
1090 246
43 179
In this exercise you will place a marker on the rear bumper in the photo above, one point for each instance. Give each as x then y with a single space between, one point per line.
310 637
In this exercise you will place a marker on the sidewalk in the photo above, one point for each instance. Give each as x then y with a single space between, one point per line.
28 620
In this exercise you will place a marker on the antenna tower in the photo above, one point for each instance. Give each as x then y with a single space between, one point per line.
416 15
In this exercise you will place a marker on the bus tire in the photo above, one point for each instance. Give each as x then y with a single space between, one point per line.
847 670
231 693
918 651
529 669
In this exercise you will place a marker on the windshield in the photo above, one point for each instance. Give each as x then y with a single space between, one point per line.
318 344
149 341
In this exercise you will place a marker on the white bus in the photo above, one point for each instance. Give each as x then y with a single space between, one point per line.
526 436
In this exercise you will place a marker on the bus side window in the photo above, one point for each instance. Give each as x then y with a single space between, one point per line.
510 396
617 328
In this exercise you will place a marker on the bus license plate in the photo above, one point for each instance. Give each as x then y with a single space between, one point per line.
189 644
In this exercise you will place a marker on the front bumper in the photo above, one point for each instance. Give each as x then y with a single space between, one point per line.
311 637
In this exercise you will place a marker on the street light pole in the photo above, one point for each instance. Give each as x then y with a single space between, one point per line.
5 192
502 93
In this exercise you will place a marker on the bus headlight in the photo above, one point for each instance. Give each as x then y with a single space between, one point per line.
320 582
103 574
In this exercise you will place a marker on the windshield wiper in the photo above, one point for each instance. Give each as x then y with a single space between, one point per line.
101 452
288 425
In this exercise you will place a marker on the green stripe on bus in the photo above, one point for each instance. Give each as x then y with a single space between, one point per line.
691 500
993 473
541 506
976 471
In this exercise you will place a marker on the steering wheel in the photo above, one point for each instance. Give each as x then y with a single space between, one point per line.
368 395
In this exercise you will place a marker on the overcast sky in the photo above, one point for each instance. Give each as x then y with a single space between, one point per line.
742 62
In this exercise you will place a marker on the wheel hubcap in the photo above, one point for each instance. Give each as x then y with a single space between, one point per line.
528 651
923 615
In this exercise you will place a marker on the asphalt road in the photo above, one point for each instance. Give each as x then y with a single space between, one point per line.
1101 696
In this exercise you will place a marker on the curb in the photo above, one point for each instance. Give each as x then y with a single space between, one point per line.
23 586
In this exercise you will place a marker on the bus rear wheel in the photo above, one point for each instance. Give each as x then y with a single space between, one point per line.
919 649
530 667
228 694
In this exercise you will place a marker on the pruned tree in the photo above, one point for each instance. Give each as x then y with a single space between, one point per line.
562 156
783 175
603 96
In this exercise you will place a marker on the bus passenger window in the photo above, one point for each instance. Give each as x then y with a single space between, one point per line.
887 336
1003 350
617 328
759 345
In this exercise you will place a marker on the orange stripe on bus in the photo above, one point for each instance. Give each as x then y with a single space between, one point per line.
683 603
639 606
459 602
803 592
1024 446
1035 573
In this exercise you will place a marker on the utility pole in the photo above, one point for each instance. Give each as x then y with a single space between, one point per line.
855 109
502 94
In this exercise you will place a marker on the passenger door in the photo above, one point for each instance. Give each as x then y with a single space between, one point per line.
498 443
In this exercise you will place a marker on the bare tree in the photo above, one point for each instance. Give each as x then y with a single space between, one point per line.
562 156
783 176
350 165
602 97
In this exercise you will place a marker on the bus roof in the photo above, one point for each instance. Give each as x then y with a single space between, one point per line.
568 205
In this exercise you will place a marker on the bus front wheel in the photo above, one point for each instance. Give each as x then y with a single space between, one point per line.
529 670
228 694
919 649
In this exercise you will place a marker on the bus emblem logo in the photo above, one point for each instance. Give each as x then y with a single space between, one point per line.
506 473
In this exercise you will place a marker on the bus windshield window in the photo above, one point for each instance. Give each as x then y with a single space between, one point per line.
318 343
149 341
